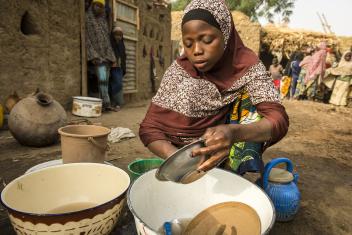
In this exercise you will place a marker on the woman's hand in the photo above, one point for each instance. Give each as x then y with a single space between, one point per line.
218 142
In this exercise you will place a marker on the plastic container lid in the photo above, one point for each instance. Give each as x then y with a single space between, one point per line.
279 175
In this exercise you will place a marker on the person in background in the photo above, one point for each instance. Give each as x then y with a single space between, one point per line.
336 52
342 86
316 71
118 69
219 90
92 81
330 57
288 68
287 78
295 71
301 86
99 50
276 70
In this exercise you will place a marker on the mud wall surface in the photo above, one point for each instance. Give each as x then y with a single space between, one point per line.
40 48
154 42
345 43
248 31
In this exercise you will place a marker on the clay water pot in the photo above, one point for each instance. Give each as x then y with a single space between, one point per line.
34 120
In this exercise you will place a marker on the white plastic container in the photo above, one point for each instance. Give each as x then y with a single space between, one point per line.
87 106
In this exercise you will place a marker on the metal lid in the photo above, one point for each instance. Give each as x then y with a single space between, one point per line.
181 167
279 175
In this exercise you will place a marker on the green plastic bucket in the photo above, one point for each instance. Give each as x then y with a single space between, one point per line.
141 166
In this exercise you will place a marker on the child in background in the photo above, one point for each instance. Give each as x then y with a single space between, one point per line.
276 70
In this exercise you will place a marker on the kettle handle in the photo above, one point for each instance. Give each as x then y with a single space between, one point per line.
271 164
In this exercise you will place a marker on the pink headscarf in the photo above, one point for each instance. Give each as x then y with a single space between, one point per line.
316 64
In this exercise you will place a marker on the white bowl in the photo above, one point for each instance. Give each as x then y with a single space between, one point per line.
67 199
155 202
86 106
49 164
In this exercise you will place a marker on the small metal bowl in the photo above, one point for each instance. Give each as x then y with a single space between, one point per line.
181 167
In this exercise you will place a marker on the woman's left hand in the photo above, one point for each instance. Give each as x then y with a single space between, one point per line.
218 142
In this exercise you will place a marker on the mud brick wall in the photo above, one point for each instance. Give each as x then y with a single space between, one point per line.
40 48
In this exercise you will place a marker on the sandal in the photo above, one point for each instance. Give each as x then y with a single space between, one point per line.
114 109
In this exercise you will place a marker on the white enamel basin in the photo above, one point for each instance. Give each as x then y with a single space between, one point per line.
154 202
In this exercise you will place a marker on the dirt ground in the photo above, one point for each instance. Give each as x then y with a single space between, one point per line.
319 143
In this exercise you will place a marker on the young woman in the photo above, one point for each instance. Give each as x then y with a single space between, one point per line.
219 90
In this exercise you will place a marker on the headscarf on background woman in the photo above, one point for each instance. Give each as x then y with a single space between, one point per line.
344 67
316 66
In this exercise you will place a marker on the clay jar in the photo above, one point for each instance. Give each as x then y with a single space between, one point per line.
34 120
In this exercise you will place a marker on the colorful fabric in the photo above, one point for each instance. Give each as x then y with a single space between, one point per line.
300 88
277 83
98 38
312 87
244 156
305 62
316 66
285 86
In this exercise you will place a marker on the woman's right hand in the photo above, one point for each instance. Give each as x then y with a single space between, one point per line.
218 141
